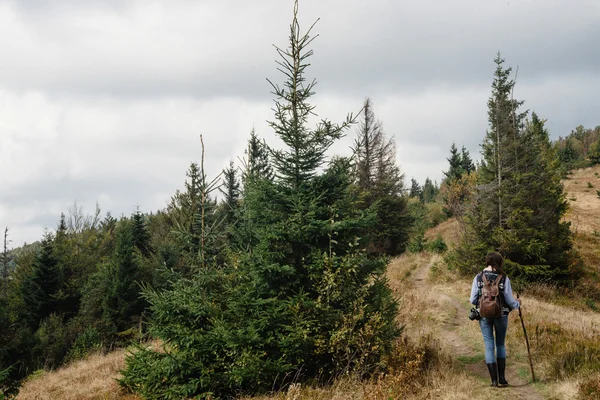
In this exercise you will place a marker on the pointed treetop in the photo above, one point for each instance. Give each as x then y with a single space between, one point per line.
305 149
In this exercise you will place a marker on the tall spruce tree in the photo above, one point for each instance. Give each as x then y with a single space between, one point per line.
69 292
304 303
5 339
230 207
122 304
460 163
258 165
467 165
389 180
4 256
415 189
196 226
538 239
140 233
367 147
456 165
6 334
182 209
305 149
455 188
500 148
230 189
257 171
381 184
519 201
430 191
111 301
40 284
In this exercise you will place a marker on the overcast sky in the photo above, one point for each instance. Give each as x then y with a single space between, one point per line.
104 101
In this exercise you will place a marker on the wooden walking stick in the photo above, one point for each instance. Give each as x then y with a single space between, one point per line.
526 341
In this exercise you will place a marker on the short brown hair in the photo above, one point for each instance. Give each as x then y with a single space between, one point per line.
495 260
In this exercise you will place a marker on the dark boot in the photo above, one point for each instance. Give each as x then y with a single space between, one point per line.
492 368
501 369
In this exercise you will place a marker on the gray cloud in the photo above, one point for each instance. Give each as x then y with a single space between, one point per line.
206 51
104 100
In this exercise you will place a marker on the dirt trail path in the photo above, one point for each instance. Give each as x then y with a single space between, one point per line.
455 333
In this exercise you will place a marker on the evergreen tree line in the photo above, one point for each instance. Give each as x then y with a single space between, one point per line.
77 290
297 289
514 201
579 149
425 194
271 272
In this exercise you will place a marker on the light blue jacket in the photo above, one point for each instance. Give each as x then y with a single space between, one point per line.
509 300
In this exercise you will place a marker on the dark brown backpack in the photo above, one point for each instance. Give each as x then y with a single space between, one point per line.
490 301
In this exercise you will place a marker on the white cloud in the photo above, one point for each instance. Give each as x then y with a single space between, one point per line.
205 49
105 101
118 153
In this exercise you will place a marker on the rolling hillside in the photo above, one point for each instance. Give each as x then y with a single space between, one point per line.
441 354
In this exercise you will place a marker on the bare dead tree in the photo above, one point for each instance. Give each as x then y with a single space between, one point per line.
5 255
206 188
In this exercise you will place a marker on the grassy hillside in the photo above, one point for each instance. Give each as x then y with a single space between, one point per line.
91 378
584 202
582 187
441 354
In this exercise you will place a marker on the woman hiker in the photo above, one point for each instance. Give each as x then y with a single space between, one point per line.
496 364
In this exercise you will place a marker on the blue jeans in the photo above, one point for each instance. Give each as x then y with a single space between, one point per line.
488 326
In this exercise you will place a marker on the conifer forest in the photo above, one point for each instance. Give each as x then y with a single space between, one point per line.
277 274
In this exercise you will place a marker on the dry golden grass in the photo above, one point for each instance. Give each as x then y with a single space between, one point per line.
584 215
449 230
403 269
589 388
588 247
564 346
565 389
583 200
437 387
442 381
93 378
340 390
587 323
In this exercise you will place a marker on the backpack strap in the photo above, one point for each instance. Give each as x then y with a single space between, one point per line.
479 286
502 281
499 279
484 279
